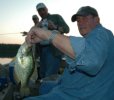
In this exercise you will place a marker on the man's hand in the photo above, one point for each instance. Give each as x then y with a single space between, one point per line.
36 35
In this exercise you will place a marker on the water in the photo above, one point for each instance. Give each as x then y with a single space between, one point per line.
5 60
10 38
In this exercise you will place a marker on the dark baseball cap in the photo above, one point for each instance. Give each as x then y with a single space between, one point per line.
85 11
40 5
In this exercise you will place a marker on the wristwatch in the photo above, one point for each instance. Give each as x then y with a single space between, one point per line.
53 35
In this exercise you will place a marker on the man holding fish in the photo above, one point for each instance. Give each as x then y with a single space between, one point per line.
90 59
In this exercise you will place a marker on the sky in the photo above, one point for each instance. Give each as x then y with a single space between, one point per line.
16 15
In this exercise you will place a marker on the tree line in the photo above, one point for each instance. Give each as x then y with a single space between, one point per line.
8 50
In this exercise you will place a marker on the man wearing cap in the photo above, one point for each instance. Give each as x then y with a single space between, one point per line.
35 20
50 57
90 70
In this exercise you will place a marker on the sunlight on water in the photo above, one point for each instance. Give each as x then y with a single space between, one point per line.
5 60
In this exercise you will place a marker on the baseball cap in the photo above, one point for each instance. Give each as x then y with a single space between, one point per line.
85 11
40 5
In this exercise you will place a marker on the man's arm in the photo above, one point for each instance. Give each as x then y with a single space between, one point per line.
59 41
63 44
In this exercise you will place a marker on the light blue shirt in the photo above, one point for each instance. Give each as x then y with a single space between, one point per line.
92 70
90 75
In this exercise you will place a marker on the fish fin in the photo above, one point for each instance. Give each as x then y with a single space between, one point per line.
24 91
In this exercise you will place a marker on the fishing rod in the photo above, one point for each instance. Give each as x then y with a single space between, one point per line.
23 33
8 33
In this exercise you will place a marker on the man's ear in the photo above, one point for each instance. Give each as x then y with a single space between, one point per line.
96 20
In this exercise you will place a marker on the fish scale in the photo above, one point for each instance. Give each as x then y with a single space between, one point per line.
24 67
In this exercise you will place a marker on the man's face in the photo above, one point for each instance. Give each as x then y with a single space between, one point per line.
86 24
43 12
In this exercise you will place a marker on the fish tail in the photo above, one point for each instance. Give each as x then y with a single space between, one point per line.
24 91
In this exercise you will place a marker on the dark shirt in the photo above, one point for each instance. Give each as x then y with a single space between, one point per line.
59 22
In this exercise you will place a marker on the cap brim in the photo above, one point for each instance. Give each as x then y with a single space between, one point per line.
73 18
41 8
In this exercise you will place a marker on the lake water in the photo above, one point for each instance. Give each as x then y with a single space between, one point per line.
10 38
5 60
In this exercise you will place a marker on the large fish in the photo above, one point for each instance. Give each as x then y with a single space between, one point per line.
24 67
